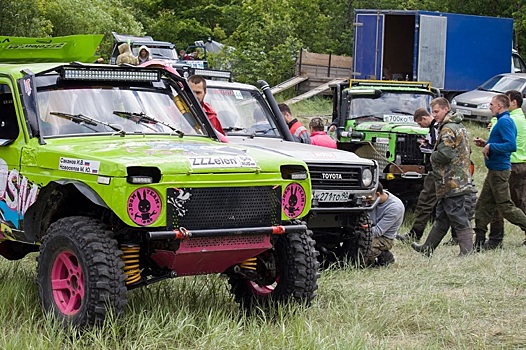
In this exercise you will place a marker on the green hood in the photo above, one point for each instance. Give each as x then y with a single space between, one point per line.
172 155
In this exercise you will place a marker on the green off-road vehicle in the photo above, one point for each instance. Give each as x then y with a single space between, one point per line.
375 121
117 179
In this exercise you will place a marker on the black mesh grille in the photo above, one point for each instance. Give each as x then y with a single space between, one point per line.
335 176
407 147
223 207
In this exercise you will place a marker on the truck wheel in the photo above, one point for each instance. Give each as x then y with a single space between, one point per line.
79 272
359 246
287 272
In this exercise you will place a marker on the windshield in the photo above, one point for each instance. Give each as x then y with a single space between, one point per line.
501 83
389 107
158 52
94 110
241 112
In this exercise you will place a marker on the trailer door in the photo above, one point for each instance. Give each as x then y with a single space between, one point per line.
368 44
432 50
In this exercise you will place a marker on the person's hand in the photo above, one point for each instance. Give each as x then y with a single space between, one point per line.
485 151
479 142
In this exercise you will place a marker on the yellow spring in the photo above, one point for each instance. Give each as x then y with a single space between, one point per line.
130 256
250 264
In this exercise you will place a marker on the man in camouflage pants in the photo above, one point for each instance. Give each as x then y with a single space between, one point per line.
451 170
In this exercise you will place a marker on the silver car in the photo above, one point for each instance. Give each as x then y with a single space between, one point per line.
474 104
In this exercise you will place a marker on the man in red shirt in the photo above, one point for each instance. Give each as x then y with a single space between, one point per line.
198 85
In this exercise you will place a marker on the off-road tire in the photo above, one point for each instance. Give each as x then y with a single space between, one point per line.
359 246
80 273
296 279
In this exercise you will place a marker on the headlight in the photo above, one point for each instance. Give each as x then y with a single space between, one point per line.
367 177
453 102
483 105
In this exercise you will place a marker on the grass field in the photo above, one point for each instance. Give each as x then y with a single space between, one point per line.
443 302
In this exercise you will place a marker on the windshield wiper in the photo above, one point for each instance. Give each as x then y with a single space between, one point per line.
233 128
86 121
146 119
401 112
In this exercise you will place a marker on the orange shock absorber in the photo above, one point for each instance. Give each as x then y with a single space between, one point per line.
130 256
250 264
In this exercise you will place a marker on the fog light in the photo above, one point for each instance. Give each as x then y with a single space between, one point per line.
390 176
136 179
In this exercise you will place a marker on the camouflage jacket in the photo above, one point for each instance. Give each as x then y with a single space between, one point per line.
450 158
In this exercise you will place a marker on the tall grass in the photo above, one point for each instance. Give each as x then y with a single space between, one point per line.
443 302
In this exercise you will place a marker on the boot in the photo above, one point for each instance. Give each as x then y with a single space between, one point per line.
480 239
385 258
432 241
496 236
453 240
465 241
413 235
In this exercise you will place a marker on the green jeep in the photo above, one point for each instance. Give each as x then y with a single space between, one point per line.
116 177
375 120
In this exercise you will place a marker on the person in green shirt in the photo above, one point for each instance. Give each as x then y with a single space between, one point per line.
517 179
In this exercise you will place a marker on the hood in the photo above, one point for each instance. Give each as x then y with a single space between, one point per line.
391 127
124 47
305 152
111 156
144 47
475 97
452 117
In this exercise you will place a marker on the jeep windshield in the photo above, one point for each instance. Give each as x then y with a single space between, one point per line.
156 51
389 107
95 108
242 112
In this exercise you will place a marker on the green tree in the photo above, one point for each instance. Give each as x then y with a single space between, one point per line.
23 18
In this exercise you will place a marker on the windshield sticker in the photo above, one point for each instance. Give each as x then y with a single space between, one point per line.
222 161
238 94
293 200
79 165
144 206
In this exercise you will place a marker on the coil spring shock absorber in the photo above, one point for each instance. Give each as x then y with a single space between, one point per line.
130 256
249 264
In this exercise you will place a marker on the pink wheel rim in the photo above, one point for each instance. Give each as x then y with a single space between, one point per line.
263 290
67 283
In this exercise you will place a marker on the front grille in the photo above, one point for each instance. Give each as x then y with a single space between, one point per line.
223 207
465 104
407 148
335 177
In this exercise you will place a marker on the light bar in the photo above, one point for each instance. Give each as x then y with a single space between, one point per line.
391 83
98 74
224 74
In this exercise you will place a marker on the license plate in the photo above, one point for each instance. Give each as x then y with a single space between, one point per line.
394 118
333 196
464 111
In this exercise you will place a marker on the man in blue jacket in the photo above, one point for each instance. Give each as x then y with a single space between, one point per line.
497 153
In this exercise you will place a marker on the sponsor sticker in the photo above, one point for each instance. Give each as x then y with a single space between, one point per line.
293 200
144 206
79 165
222 161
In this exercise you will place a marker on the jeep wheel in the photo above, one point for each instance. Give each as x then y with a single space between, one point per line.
288 272
359 246
80 273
